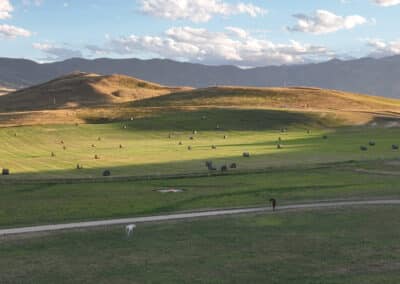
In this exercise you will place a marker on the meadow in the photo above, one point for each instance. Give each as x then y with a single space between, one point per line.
358 245
150 146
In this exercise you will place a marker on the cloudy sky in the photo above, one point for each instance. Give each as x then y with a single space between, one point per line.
245 33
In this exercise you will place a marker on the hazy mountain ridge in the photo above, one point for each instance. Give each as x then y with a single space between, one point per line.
366 75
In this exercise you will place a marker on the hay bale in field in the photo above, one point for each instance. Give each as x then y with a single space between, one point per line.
395 147
189 148
53 154
93 146
279 146
213 147
194 132
225 137
106 173
96 157
191 138
99 138
371 143
132 118
325 137
79 167
120 146
279 139
364 148
246 155
64 147
5 172
210 167
125 127
233 166
224 168
180 143
62 142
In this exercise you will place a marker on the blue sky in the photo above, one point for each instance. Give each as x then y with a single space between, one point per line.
242 32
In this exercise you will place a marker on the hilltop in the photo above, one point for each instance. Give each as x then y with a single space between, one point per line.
82 89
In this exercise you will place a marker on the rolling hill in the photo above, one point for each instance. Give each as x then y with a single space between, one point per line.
366 75
80 90
302 98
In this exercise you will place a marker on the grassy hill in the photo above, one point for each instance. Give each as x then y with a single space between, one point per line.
286 98
80 90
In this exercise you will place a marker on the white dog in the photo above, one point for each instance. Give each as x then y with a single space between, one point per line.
129 229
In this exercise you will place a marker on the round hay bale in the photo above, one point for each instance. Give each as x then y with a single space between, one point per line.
194 132
64 148
224 168
53 154
189 148
213 147
246 155
225 137
96 157
371 143
180 143
363 148
79 167
120 146
191 138
233 166
279 146
5 172
395 147
106 173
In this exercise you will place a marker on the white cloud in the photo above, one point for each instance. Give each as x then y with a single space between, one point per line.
5 9
232 46
7 31
56 53
381 48
197 10
323 22
387 3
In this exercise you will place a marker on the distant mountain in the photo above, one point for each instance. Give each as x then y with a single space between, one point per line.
367 75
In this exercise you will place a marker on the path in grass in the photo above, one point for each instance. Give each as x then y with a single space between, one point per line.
185 216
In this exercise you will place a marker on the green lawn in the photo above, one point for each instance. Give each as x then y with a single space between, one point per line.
357 245
147 150
50 203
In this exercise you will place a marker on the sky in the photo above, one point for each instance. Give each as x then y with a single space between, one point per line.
245 33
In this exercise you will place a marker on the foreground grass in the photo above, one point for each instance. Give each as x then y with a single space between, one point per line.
356 245
56 203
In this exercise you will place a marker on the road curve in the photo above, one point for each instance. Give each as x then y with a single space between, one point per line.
183 216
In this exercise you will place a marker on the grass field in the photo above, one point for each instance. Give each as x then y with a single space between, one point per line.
357 245
57 203
148 150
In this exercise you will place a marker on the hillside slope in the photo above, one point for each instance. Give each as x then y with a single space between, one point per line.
82 89
286 98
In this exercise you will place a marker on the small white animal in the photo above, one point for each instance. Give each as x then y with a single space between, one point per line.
129 229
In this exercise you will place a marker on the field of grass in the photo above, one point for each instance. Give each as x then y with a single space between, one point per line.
148 150
357 245
58 203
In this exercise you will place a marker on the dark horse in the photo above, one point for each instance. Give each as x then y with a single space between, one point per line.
273 202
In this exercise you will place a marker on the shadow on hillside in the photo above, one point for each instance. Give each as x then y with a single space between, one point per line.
224 120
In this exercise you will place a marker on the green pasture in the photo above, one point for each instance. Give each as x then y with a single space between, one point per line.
34 204
352 245
150 146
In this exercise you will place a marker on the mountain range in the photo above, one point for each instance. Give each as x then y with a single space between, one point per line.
367 75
